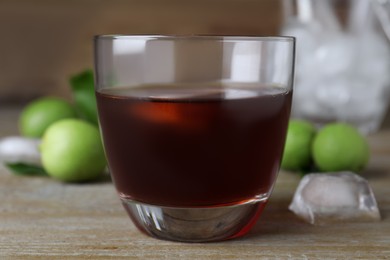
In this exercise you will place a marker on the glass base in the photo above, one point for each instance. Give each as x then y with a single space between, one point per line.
194 224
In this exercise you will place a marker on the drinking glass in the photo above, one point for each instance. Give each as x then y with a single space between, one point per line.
194 128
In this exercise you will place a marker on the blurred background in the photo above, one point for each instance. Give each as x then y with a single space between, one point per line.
44 42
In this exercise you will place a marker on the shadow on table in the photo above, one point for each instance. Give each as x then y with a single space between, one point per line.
104 178
374 173
386 121
277 219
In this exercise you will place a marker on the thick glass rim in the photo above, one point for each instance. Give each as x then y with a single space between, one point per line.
194 37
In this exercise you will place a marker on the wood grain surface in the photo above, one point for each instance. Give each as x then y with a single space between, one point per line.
41 218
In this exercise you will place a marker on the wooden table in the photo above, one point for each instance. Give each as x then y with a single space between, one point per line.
41 218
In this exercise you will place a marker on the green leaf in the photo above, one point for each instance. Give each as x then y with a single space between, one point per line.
26 169
84 95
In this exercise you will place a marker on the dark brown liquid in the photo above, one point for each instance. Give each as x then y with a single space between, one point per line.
193 147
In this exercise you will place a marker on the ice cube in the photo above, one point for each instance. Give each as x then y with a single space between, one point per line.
334 93
322 198
305 103
335 55
374 58
361 16
325 14
16 149
305 35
